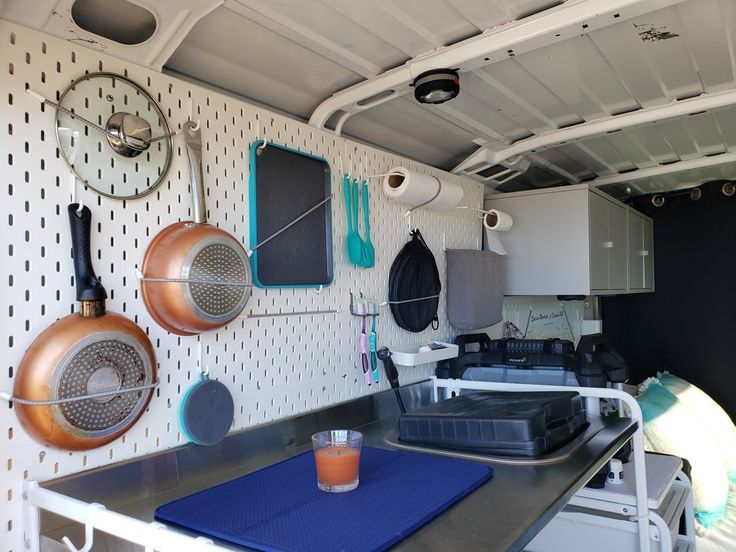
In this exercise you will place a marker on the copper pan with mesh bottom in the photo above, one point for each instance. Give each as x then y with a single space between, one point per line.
196 277
89 352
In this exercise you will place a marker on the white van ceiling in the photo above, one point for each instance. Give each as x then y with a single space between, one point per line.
637 100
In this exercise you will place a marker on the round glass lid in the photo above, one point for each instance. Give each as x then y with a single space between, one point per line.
117 141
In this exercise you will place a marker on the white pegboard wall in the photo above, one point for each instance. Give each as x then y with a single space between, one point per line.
275 367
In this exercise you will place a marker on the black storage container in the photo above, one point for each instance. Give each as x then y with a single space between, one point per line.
500 423
509 353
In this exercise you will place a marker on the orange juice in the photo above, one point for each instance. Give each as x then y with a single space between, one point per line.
337 465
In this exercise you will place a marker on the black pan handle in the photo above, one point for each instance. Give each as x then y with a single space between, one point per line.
392 374
89 287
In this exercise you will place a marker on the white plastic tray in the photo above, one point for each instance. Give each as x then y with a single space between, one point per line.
409 355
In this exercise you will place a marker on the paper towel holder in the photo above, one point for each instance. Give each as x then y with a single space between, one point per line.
480 212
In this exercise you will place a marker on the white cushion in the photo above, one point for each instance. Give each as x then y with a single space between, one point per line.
709 414
671 428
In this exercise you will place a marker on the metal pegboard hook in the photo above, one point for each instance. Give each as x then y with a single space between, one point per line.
73 193
407 216
343 155
154 526
263 144
203 370
363 307
190 110
89 532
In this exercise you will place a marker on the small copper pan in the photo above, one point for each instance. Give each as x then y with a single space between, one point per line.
91 352
196 277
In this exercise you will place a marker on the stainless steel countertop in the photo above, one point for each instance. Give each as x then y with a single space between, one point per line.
503 514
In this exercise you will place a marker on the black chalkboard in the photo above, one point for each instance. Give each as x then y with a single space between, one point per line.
285 184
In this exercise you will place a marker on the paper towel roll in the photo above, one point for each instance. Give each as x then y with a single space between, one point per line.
494 222
498 221
416 189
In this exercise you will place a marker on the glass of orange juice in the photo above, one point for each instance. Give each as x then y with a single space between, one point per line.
337 455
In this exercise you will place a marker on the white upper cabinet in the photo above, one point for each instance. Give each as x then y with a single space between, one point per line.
608 251
641 252
574 240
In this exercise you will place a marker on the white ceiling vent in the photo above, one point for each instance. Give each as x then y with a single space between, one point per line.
118 20
145 32
483 167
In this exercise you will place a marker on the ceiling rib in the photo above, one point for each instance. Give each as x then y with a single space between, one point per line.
676 108
298 33
530 33
409 22
481 130
679 166
595 157
501 88
568 177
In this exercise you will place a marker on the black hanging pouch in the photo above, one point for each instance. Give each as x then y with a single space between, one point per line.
414 286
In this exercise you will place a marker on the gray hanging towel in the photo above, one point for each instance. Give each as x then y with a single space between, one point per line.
474 288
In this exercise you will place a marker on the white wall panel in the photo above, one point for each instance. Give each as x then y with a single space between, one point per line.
275 367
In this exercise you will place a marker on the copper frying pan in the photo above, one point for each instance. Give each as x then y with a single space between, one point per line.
90 352
196 276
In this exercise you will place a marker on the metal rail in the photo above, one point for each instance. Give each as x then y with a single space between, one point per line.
152 536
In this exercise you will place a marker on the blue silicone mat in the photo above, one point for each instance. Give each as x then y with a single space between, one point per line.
279 508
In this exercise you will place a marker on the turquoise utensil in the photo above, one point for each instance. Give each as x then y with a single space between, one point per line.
372 340
361 261
369 250
353 242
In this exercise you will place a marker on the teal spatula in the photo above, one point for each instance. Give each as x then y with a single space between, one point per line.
368 250
353 242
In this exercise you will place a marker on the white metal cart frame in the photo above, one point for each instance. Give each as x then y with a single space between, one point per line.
642 516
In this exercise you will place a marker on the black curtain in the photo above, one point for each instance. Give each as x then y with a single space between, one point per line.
688 326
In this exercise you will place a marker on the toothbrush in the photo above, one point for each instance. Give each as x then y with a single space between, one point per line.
364 353
372 338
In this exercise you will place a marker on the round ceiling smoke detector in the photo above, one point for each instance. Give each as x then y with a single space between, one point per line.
436 86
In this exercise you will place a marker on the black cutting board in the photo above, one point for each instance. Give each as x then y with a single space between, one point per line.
285 184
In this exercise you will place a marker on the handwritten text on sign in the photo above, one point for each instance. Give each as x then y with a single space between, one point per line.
546 323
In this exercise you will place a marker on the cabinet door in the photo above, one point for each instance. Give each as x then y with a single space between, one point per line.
598 221
636 260
617 247
647 253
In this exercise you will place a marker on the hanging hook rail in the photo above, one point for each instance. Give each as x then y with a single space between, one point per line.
292 223
40 98
294 313
77 398
426 298
139 275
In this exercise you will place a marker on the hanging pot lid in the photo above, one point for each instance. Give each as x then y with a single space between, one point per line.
113 135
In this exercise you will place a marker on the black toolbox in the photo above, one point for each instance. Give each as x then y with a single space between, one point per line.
499 423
